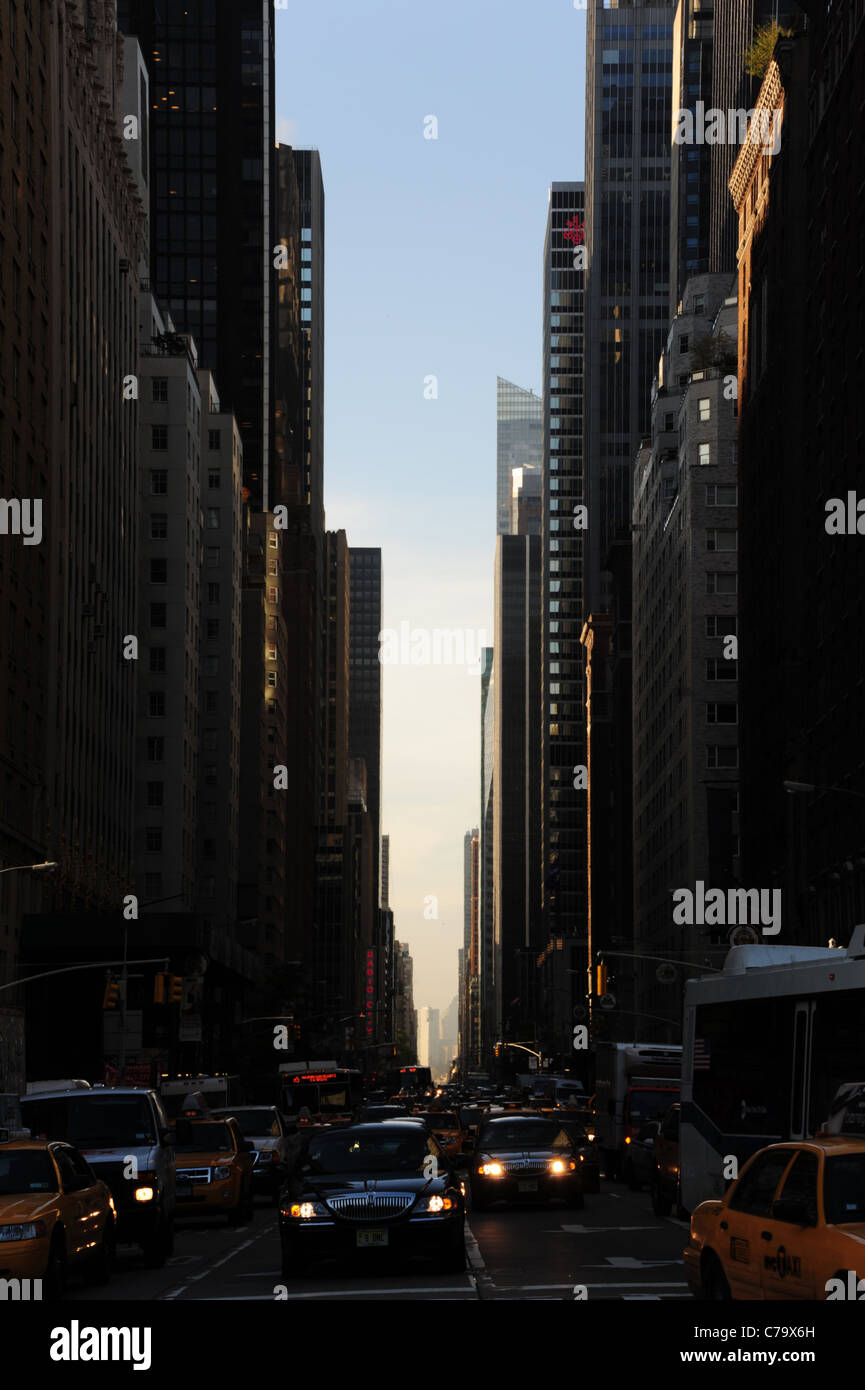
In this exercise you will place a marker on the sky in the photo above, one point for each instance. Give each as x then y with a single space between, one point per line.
433 268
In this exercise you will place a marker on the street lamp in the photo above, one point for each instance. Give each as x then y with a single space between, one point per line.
793 787
46 867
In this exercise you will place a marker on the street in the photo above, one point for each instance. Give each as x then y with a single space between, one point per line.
614 1246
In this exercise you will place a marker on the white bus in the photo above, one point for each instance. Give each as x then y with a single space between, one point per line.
767 1044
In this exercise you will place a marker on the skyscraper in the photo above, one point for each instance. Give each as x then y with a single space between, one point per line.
518 442
562 889
213 179
364 671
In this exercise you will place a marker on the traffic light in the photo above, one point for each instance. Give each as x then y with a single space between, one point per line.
175 989
160 988
600 980
500 1047
112 993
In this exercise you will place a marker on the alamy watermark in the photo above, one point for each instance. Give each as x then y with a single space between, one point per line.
733 127
22 516
436 646
731 907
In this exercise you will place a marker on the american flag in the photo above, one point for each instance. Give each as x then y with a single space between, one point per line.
702 1059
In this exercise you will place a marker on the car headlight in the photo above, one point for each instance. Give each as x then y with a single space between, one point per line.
491 1170
560 1165
220 1173
306 1211
439 1204
24 1230
590 1137
145 1194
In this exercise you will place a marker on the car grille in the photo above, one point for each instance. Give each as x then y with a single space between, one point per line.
365 1206
525 1165
197 1175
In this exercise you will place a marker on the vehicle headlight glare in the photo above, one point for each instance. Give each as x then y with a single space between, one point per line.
557 1166
144 1194
491 1170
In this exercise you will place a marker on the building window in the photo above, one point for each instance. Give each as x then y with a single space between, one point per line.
717 669
211 666
210 702
213 593
156 750
717 496
705 407
153 839
211 556
159 436
156 704
722 582
214 439
210 740
152 887
157 661
159 526
158 615
722 714
212 518
722 755
214 478
721 540
212 629
160 388
159 481
210 778
159 571
704 454
271 679
719 624
155 793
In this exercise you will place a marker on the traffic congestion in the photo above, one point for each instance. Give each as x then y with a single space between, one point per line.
350 1189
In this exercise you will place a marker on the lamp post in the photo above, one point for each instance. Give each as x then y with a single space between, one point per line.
46 867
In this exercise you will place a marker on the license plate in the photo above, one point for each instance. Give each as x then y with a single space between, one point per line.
184 1191
367 1239
527 1185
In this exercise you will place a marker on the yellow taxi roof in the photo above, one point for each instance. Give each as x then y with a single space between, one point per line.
825 1143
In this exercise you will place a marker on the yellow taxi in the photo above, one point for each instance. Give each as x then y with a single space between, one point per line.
445 1125
214 1167
791 1227
55 1216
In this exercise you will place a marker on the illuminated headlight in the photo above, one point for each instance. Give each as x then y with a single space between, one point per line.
24 1230
145 1194
437 1204
491 1170
590 1136
220 1174
559 1165
307 1211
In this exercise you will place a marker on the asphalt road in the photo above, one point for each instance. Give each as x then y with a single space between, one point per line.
615 1248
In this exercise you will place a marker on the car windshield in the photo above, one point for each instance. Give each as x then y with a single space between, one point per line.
209 1137
844 1189
26 1170
380 1112
438 1119
257 1124
91 1121
522 1134
353 1152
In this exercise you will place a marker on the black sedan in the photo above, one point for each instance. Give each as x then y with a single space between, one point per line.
369 1190
522 1156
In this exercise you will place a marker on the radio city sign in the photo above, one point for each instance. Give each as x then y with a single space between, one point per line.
369 995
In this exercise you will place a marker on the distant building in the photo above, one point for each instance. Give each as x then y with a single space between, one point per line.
519 418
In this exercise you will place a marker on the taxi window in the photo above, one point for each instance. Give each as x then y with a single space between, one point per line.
65 1168
755 1189
844 1189
26 1170
800 1184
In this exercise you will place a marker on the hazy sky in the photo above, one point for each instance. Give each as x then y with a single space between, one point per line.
433 267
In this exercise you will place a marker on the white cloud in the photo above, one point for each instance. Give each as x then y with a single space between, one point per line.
286 130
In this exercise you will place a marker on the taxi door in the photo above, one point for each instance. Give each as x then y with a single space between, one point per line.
742 1244
792 1242
74 1204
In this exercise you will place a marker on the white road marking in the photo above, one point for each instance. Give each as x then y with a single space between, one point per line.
595 1230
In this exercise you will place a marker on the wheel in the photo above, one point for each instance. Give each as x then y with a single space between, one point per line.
715 1286
661 1205
158 1245
99 1272
55 1270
